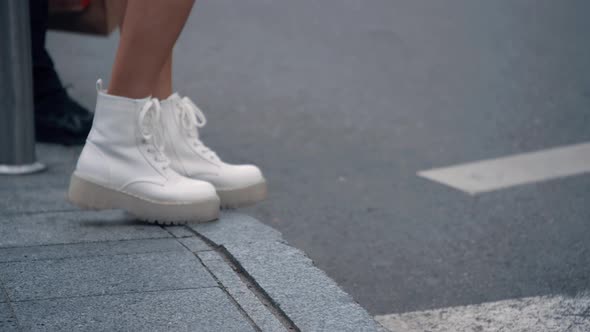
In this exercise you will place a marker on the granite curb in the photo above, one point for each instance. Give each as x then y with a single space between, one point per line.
302 295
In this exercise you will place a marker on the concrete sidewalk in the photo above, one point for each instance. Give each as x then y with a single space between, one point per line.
62 269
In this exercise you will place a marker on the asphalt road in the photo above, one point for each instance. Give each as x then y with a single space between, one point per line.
342 101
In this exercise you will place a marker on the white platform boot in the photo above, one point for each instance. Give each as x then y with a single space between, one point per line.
123 166
236 185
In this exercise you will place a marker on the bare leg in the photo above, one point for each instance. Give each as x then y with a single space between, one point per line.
150 29
163 87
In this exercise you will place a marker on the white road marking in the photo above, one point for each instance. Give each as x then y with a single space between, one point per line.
532 314
493 174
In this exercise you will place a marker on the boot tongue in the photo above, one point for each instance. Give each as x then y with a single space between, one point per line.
186 117
151 131
192 118
174 96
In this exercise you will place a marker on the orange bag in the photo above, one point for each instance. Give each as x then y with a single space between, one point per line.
97 17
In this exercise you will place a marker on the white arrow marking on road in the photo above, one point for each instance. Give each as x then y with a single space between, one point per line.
493 174
532 314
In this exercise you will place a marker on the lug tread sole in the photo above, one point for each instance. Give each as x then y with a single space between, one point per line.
241 197
89 195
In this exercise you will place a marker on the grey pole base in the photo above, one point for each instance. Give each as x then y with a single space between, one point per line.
21 169
17 128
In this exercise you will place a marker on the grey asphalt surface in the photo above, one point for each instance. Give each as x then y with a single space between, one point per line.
341 102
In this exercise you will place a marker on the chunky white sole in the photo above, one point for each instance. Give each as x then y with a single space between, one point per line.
89 195
239 197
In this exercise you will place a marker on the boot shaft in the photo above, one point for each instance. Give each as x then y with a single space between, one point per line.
116 120
188 155
116 150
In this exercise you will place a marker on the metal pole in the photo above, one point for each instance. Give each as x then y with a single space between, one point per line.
17 122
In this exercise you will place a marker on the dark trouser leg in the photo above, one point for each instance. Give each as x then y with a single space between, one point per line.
45 79
58 118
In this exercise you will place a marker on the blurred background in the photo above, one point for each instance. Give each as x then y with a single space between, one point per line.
343 102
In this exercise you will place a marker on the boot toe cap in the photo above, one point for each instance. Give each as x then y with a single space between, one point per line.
239 176
181 191
195 190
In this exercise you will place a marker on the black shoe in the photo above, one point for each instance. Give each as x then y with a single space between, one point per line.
60 119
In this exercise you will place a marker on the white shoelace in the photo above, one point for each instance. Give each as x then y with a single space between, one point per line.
192 118
151 132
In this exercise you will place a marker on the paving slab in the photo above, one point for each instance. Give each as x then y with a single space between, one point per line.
179 231
59 161
30 280
73 227
237 228
7 319
240 292
207 309
195 244
56 176
38 192
41 199
88 249
306 295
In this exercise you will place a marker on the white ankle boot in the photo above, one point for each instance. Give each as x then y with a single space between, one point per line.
123 166
237 185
